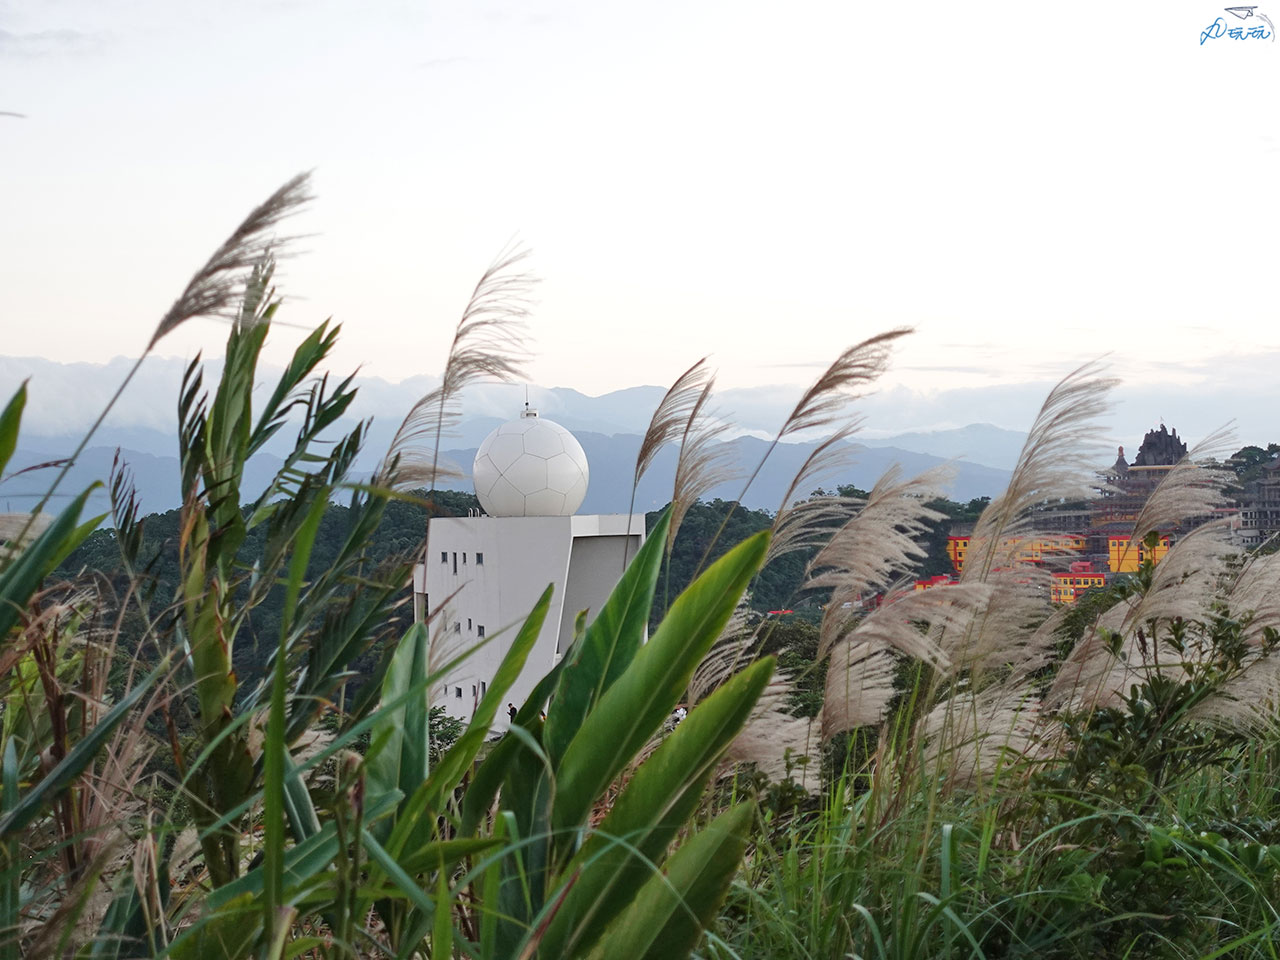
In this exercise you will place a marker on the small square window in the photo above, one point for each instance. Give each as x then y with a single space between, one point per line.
444 556
457 692
479 559
479 630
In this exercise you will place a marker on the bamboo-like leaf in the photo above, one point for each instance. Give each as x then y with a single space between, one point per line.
401 762
10 421
303 819
670 912
20 580
275 749
636 705
225 932
655 805
488 778
37 799
610 643
10 879
429 796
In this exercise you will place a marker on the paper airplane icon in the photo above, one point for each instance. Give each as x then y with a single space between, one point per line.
1242 12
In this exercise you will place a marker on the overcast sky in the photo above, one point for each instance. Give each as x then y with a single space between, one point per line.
1028 185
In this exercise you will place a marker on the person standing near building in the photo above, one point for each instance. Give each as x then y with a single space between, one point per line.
511 711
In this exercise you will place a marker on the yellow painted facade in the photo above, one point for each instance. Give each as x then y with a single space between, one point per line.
1031 551
1067 587
1126 556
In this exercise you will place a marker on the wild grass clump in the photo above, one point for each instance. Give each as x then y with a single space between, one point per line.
960 771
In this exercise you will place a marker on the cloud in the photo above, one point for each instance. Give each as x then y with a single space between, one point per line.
47 43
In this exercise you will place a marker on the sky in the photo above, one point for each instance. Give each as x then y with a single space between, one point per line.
1028 186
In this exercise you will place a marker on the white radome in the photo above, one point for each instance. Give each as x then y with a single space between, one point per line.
530 467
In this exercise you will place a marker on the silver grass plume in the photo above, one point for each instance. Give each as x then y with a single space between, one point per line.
670 419
808 524
1187 579
214 291
704 461
217 288
1094 673
1256 595
878 544
971 737
488 344
774 739
1250 699
826 401
1055 464
1190 491
726 656
865 658
856 368
771 735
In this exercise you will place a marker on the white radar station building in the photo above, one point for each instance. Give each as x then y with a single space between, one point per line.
486 572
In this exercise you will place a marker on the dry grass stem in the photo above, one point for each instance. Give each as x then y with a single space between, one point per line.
488 344
218 287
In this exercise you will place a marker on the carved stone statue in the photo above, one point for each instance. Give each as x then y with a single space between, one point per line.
1121 466
1160 448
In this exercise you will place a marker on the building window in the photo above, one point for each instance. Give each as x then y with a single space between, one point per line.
457 692
484 688
457 626
455 564
468 623
473 689
464 558
444 556
479 630
479 559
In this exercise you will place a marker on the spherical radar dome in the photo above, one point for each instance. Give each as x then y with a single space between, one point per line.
530 467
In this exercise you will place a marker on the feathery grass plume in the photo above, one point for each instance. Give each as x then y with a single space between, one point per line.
805 524
1187 580
778 742
1100 667
19 529
214 291
971 737
1191 491
1055 464
726 656
809 524
826 400
217 288
858 366
1256 595
488 344
865 653
876 545
1249 700
669 421
704 461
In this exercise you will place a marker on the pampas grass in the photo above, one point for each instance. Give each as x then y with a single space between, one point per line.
488 344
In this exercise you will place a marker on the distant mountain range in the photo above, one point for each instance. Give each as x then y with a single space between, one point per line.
612 461
65 397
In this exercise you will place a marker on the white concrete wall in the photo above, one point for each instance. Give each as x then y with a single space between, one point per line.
580 556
